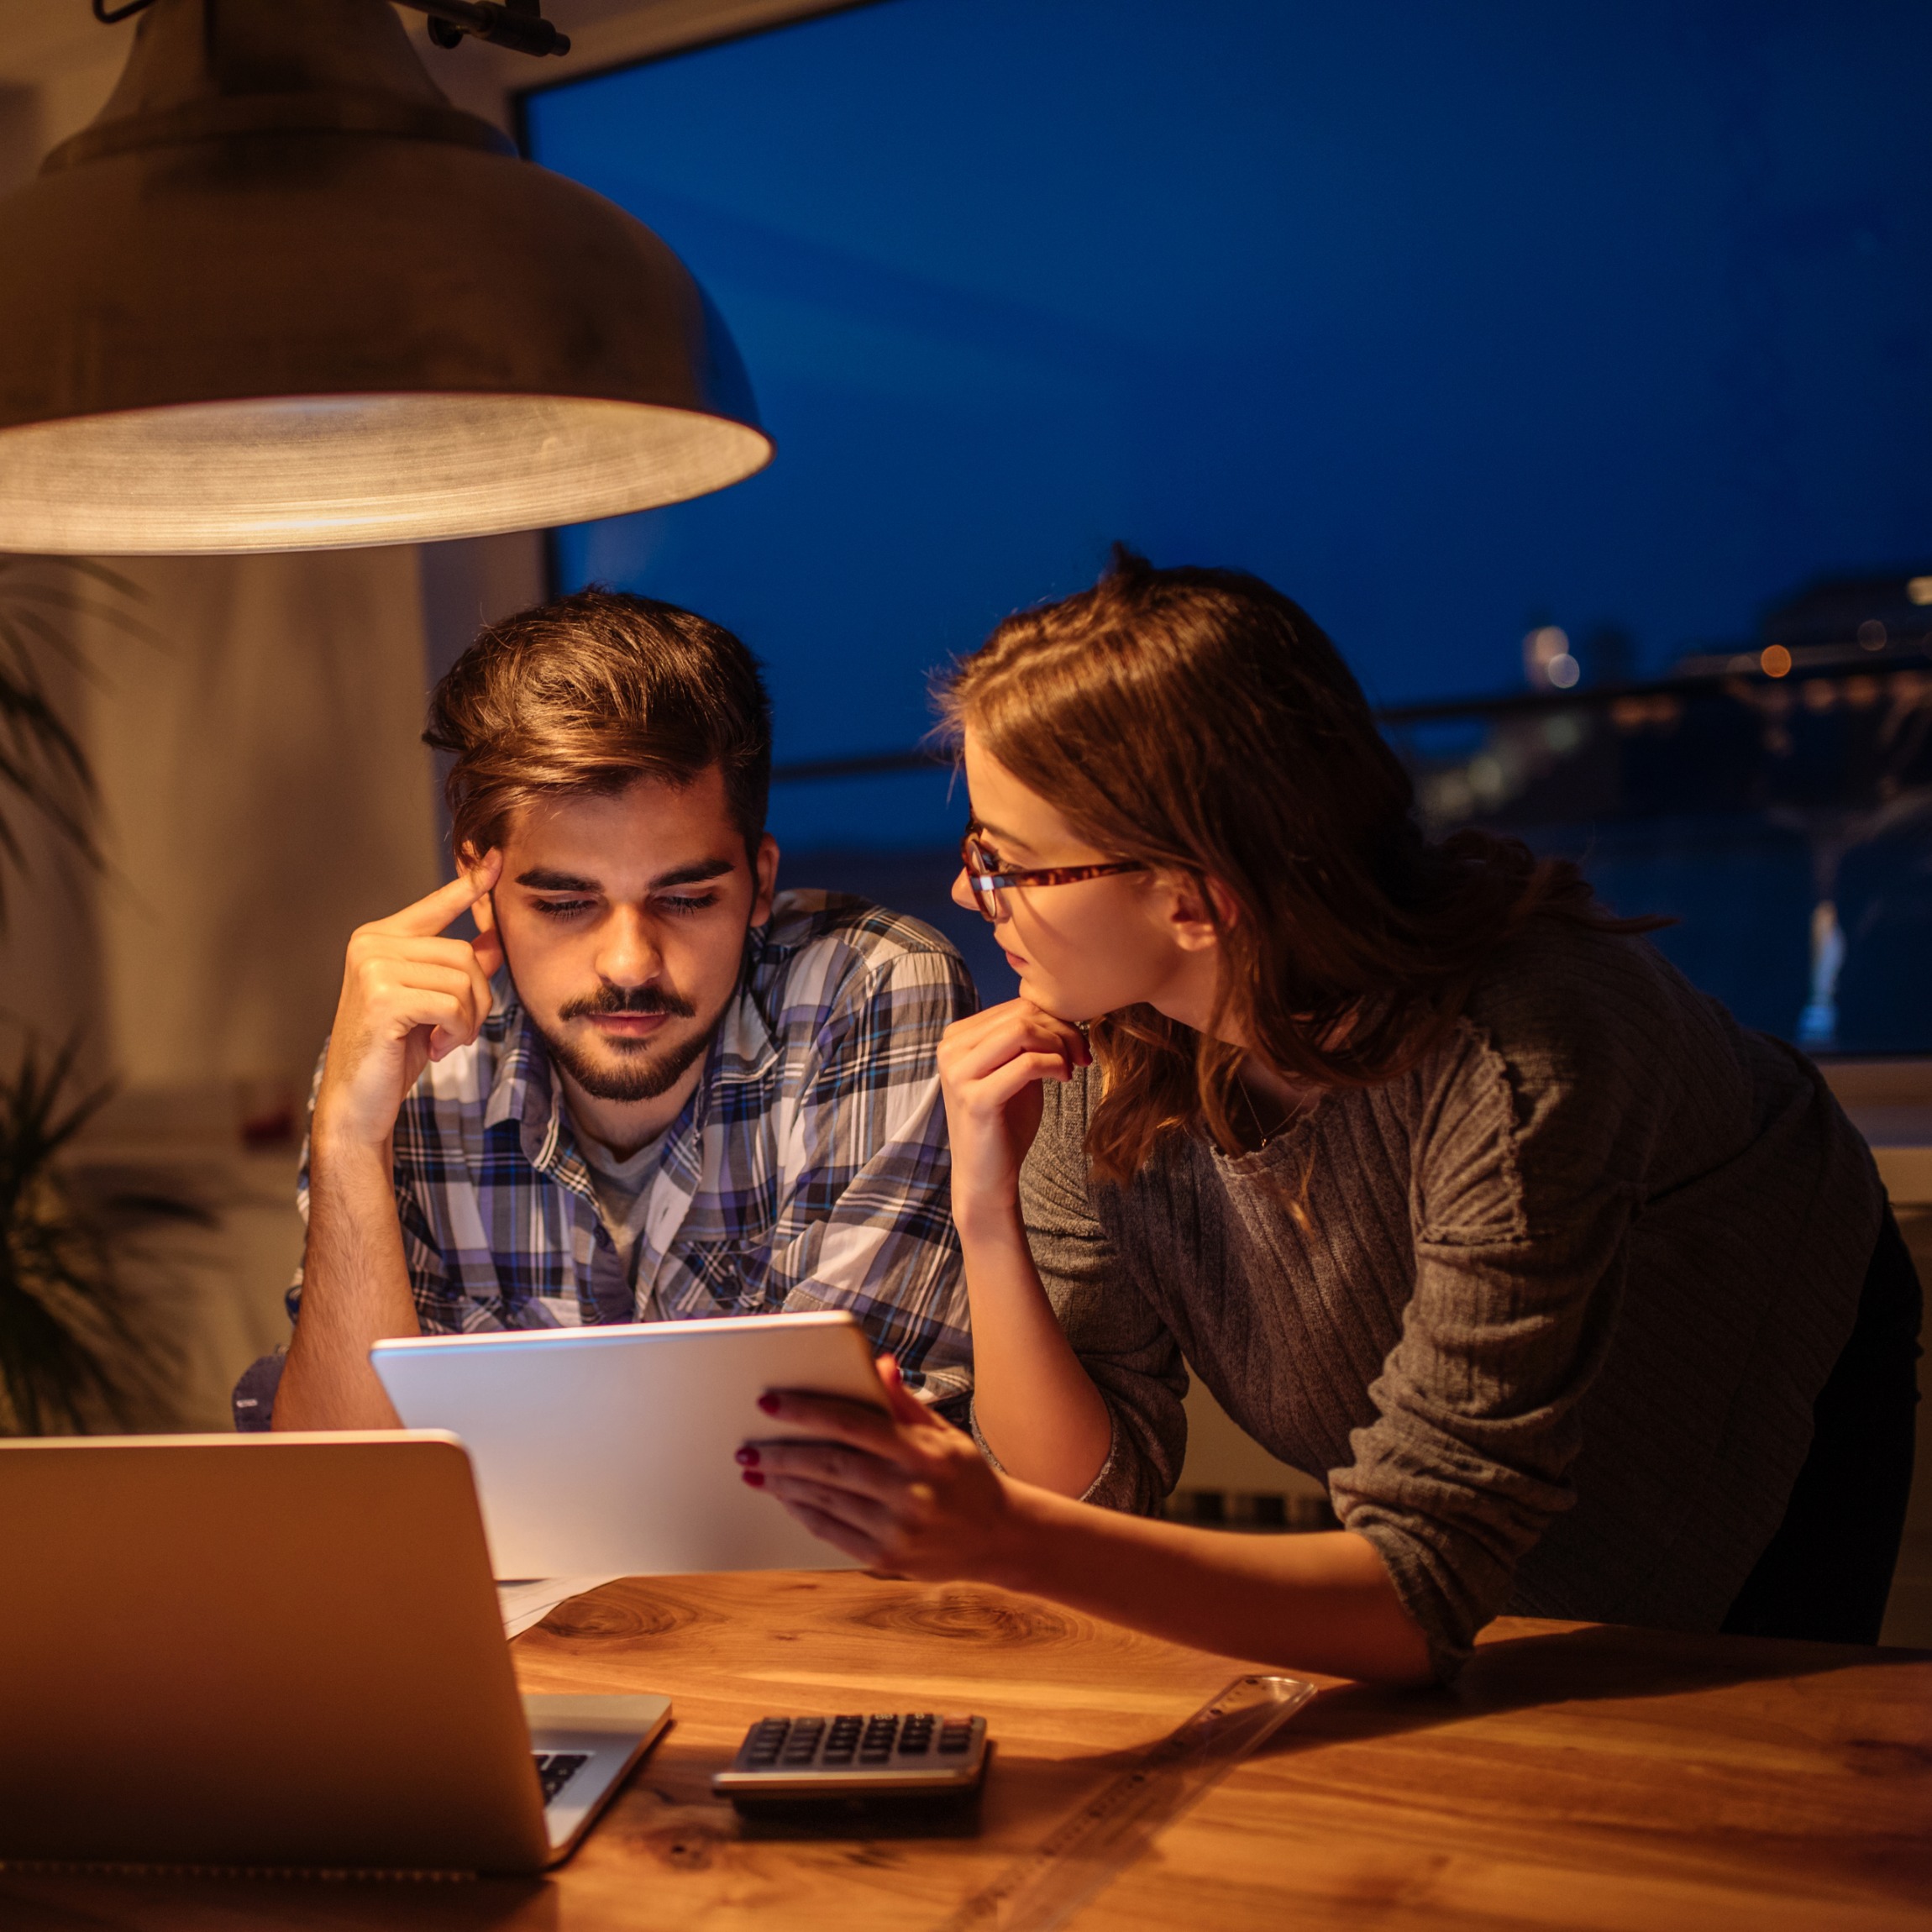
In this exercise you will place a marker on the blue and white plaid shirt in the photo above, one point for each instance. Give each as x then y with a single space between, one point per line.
808 1171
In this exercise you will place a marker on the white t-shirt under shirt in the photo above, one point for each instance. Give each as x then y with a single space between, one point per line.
622 1188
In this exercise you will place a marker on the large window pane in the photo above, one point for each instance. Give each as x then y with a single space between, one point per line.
1454 322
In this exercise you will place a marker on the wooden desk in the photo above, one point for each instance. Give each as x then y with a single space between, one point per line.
1580 1775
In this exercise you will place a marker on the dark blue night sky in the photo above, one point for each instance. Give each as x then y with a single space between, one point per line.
1448 318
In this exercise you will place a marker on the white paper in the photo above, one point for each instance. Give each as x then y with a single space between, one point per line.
527 1603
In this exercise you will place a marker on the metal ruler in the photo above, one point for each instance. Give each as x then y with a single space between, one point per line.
1093 1847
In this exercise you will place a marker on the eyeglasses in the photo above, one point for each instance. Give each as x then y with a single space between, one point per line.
989 882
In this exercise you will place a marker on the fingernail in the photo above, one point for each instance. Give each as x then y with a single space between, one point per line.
769 1403
755 1477
748 1456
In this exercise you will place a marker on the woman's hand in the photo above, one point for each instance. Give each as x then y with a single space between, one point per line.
990 1067
899 1490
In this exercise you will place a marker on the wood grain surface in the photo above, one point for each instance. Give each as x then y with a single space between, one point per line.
1577 1777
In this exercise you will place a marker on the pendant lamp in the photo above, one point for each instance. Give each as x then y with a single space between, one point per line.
282 295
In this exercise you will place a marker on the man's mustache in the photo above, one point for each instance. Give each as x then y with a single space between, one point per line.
643 999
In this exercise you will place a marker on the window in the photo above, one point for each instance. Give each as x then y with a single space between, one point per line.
1460 324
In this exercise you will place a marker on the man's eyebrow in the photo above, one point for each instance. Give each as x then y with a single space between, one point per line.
694 874
542 878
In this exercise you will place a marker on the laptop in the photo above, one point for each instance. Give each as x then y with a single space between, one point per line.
280 1651
609 1450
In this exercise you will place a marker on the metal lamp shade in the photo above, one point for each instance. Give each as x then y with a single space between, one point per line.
238 314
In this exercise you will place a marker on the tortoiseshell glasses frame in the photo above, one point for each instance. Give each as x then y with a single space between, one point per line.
987 881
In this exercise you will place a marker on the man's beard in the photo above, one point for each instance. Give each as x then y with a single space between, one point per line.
641 1074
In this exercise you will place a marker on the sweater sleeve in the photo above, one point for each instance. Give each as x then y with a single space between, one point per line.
1520 1222
1127 1350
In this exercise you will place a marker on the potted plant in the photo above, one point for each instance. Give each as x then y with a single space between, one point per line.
74 1353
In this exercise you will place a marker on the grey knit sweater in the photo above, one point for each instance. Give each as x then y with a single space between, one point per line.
1568 1291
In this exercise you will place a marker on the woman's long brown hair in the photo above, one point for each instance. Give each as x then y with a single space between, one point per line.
1200 721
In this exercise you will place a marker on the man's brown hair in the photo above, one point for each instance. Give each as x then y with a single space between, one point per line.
1199 721
589 693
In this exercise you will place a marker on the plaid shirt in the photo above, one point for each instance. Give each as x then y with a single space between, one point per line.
808 1171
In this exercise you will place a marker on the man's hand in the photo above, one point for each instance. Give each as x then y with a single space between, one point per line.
409 998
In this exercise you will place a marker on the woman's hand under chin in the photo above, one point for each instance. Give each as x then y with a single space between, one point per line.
900 1491
990 1067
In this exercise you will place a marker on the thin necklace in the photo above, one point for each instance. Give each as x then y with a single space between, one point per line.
1263 1134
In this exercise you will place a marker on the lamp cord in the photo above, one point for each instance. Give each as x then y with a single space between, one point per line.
518 23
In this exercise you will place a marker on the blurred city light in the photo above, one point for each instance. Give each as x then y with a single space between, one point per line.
1548 660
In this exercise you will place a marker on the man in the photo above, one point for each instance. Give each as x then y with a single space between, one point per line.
649 1088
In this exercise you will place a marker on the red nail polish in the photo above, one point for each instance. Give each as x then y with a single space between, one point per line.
769 1403
755 1477
748 1456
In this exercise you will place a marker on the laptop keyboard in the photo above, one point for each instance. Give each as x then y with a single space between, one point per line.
556 1768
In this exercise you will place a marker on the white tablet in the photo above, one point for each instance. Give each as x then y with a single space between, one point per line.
609 1451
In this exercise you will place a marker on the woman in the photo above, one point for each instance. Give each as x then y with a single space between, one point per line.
1585 1302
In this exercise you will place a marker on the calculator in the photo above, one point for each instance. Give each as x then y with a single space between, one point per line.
898 1755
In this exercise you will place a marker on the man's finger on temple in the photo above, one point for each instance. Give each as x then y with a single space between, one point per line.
430 913
487 946
458 954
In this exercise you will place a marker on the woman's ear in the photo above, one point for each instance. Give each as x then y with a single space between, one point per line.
1190 895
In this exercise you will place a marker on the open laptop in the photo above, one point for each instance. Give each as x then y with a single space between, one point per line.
276 1651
